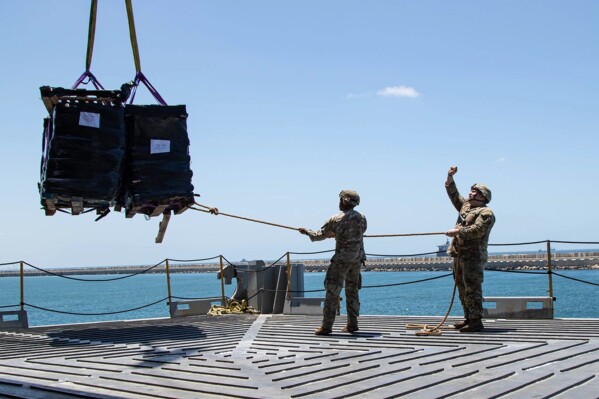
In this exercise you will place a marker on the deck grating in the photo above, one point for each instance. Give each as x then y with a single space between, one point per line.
276 356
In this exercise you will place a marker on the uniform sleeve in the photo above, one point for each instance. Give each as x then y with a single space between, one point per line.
454 195
480 227
326 231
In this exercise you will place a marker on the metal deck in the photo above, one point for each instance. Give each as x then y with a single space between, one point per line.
274 356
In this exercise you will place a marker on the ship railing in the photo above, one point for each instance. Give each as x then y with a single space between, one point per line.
13 313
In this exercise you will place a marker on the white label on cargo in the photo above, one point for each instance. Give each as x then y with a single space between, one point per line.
89 119
160 146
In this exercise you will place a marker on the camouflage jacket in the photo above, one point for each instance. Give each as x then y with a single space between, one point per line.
348 229
475 225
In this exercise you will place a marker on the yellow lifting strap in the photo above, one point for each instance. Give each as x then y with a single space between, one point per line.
91 34
133 36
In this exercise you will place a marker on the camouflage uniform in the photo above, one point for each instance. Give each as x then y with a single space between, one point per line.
469 249
347 227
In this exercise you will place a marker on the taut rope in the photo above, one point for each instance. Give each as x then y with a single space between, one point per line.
215 211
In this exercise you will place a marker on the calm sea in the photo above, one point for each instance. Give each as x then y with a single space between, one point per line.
574 299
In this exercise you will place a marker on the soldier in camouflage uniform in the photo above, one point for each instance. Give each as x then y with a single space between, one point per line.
469 248
347 227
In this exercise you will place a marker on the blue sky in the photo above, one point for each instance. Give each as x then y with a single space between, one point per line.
291 102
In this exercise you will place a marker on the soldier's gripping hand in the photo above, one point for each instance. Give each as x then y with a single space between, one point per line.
303 230
452 170
452 232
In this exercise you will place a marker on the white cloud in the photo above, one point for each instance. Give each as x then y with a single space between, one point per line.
357 95
501 159
398 91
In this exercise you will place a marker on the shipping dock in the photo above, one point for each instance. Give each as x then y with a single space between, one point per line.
278 356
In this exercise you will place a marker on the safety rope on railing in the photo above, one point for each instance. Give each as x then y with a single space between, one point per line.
575 279
9 306
518 243
10 263
407 282
575 242
192 260
311 253
254 271
193 298
90 279
518 271
273 264
402 256
369 286
98 313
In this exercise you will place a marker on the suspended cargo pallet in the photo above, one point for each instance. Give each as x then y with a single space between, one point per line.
157 174
83 149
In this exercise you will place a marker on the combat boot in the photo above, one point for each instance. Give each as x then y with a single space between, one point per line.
473 326
350 329
322 331
461 324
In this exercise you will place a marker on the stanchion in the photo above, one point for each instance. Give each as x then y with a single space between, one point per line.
288 277
222 281
549 274
168 281
22 287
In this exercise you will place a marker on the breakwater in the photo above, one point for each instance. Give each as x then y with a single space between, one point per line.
559 261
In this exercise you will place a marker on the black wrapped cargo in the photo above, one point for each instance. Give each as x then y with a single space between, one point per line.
157 173
83 149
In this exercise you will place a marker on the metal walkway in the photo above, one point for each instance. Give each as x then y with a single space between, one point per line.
274 356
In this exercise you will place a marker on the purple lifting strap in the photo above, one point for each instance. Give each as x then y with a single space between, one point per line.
140 77
92 78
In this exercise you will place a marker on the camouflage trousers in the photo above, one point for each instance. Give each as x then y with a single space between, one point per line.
468 274
338 274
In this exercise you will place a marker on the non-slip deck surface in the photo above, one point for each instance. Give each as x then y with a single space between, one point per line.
274 356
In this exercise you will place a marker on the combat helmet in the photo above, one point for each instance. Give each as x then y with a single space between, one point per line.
350 197
484 190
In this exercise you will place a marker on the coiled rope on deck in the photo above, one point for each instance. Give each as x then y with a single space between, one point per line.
425 329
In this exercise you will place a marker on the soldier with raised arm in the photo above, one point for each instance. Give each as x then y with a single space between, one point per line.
347 228
469 248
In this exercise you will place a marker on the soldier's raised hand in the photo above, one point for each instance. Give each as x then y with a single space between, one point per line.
452 170
303 230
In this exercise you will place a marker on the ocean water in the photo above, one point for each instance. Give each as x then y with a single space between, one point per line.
383 293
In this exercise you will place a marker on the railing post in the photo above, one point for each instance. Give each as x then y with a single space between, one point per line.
549 274
168 281
288 277
22 287
222 281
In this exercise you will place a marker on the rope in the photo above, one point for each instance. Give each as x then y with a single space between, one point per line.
215 211
518 271
9 263
311 253
407 282
233 307
518 243
192 260
425 329
90 279
403 256
96 314
576 279
404 235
